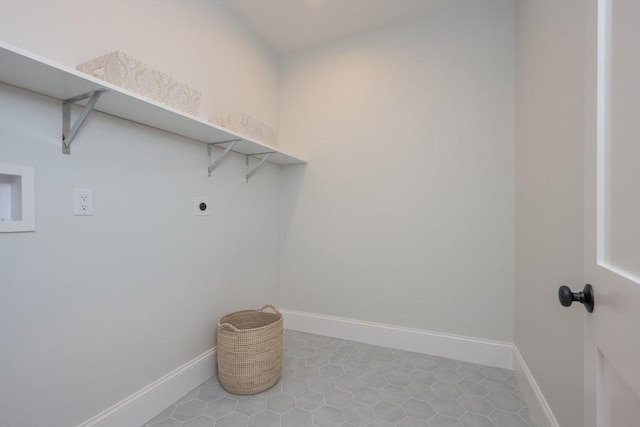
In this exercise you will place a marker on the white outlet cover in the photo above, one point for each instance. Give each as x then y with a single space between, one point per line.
201 206
82 202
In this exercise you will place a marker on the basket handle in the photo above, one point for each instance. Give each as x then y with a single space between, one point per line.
229 327
272 308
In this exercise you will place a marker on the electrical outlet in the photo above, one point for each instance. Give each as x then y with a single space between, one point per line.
201 206
83 202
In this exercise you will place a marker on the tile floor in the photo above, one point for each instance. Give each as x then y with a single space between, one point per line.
332 382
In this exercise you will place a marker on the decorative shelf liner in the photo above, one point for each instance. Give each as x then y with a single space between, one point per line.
246 125
130 73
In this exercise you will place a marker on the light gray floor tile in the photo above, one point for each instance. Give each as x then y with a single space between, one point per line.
442 421
495 373
373 380
193 394
272 391
448 375
296 418
447 407
473 387
232 420
338 398
380 423
310 400
221 407
418 409
474 420
348 382
500 400
388 411
384 355
447 389
358 414
252 405
304 352
399 379
500 385
507 419
394 394
307 372
380 367
412 422
281 402
327 415
356 369
447 363
321 385
200 421
471 373
425 364
421 392
295 386
525 414
162 415
402 365
191 409
329 382
264 419
340 359
476 404
361 357
366 396
331 371
423 377
348 349
211 393
317 361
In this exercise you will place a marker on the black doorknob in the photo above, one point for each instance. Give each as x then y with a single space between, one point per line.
566 297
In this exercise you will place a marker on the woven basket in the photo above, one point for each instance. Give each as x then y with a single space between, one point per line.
250 350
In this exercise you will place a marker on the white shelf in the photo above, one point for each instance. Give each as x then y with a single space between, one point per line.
28 71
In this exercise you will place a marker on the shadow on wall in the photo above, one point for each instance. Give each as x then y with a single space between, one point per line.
292 177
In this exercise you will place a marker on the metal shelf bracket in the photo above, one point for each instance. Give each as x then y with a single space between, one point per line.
68 132
216 162
259 166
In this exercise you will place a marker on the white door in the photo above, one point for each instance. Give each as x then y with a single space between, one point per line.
612 209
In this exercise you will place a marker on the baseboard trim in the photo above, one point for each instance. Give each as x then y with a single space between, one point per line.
540 409
149 401
468 349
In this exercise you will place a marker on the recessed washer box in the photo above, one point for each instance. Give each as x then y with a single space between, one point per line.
17 198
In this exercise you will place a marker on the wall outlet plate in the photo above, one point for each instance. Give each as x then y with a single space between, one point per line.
201 206
82 201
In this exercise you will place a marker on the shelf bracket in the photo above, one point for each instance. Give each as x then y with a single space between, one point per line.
68 132
259 166
221 157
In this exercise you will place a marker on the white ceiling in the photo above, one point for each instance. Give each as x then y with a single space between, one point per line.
291 25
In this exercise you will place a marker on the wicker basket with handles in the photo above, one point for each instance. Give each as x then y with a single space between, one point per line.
250 350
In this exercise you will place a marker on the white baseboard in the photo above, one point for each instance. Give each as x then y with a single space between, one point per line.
468 349
540 409
148 402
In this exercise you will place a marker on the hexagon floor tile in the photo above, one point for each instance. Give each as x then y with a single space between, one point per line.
331 382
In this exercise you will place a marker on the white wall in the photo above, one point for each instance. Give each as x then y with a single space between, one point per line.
92 309
404 214
549 199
